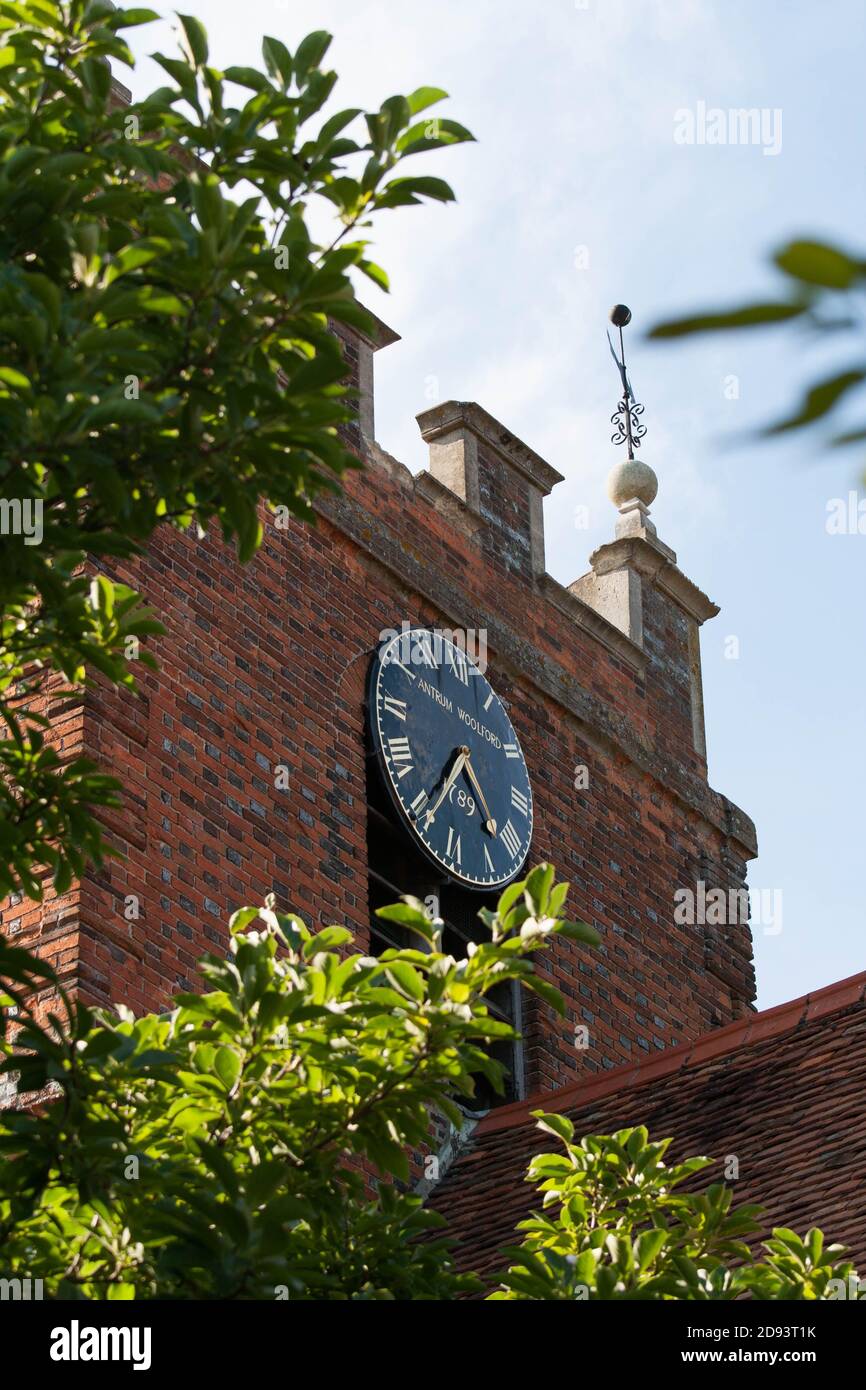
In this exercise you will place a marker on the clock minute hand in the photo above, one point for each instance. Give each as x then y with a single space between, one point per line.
430 815
490 823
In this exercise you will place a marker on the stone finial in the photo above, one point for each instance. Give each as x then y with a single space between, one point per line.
632 487
632 479
637 563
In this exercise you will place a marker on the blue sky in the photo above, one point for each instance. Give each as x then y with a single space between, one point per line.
576 196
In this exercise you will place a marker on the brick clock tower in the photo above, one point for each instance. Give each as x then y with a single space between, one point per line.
256 761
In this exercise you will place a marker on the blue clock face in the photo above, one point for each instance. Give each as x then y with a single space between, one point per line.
450 758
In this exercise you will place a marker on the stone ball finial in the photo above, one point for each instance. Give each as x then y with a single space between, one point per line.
632 479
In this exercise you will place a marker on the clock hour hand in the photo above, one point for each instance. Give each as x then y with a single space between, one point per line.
490 823
430 815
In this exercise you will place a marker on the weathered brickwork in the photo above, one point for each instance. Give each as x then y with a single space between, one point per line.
504 504
244 757
54 923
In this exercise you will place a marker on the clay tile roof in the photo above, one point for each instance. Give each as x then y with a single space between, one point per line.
783 1090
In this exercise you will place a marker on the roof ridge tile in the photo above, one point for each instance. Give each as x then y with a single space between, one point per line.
719 1042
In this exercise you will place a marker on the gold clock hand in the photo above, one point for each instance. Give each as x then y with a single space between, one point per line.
490 823
430 815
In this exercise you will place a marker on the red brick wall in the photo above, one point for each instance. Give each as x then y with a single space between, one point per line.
505 506
264 666
54 922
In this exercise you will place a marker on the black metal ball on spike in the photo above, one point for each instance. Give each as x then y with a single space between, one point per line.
626 417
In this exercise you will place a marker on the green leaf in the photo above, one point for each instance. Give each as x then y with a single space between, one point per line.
335 124
538 886
13 377
750 316
848 437
423 97
635 1142
102 595
248 77
815 1245
789 1238
310 53
375 273
430 134
278 60
405 978
549 1165
241 919
406 190
509 897
389 1157
196 37
227 1065
148 299
250 536
819 401
560 1125
816 263
128 19
408 915
549 993
182 74
118 410
137 254
579 931
327 940
102 1044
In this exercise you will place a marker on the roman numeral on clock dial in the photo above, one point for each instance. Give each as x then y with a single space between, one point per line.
458 664
511 750
394 662
510 838
488 861
453 846
394 706
520 801
417 806
400 753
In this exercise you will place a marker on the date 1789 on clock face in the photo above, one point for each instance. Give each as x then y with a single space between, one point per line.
450 758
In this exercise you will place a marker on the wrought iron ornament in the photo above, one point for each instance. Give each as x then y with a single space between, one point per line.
626 417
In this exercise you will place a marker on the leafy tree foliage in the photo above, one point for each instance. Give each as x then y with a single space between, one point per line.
165 353
823 289
621 1228
216 1151
227 1149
